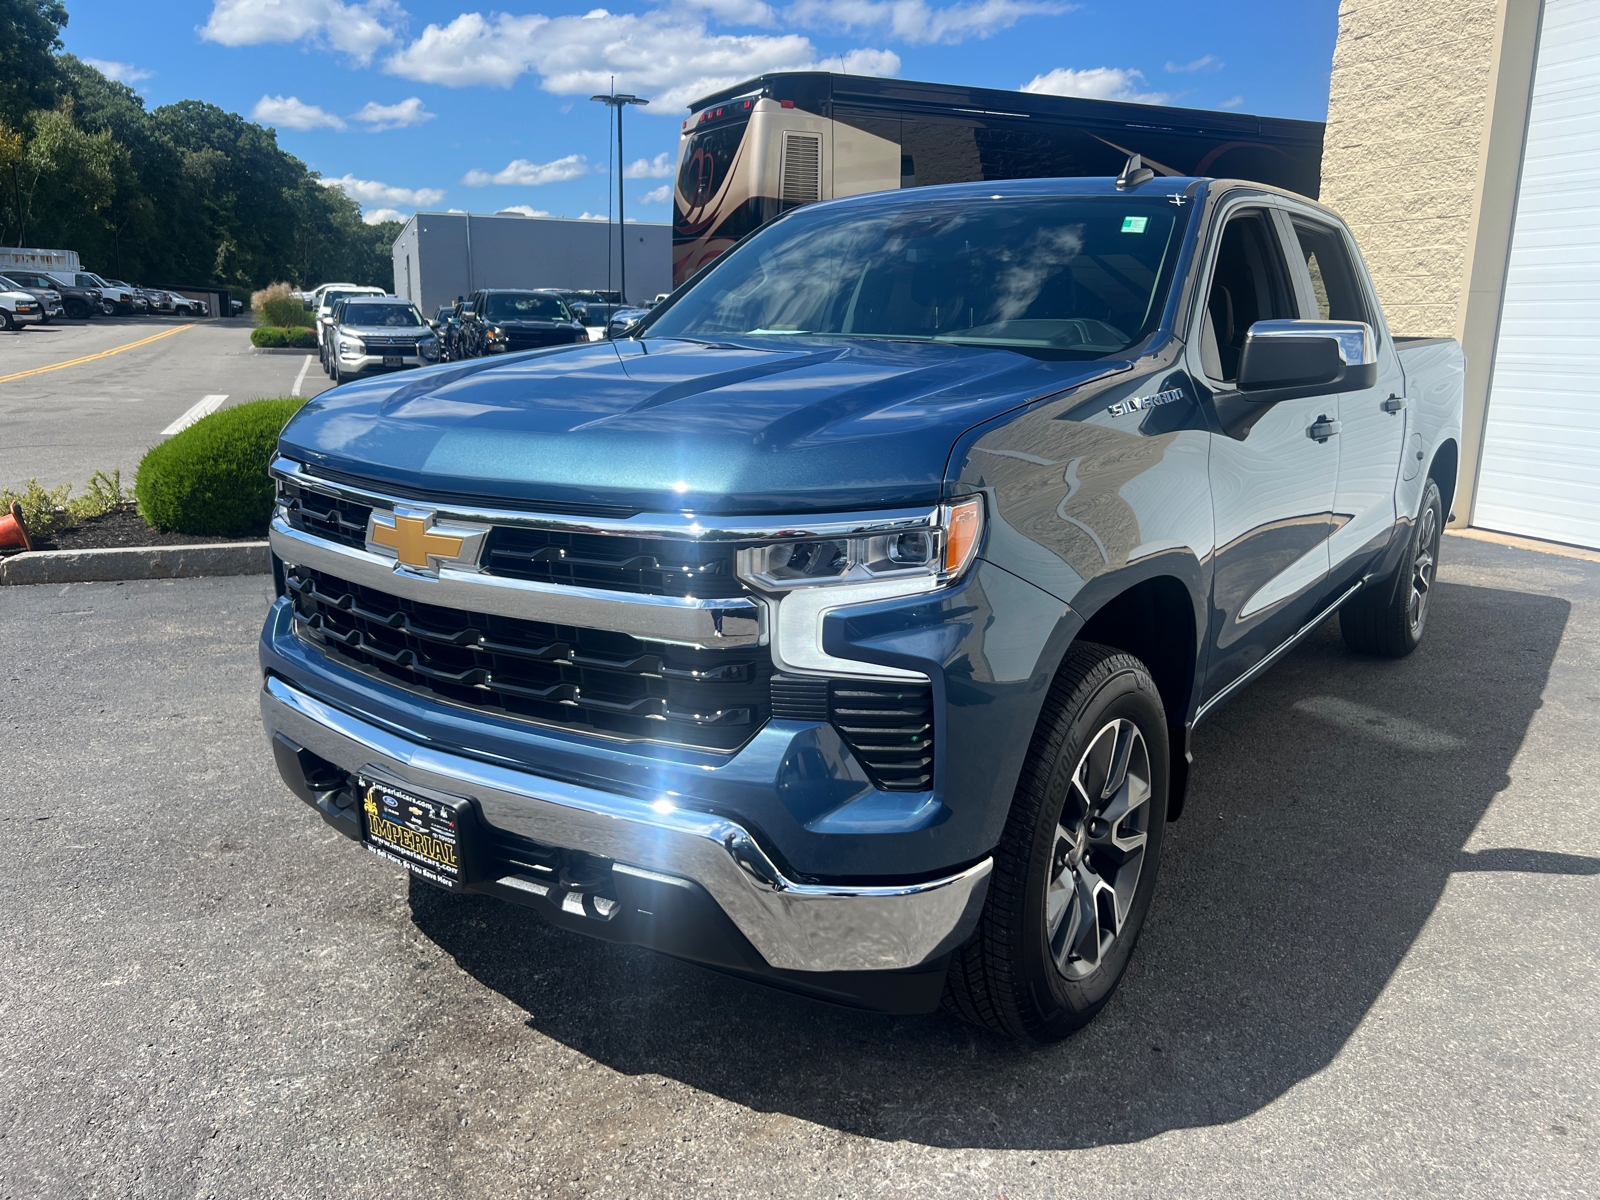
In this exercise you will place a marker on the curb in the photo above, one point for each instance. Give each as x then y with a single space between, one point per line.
311 350
135 562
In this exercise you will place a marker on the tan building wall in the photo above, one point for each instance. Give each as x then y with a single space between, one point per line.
1426 111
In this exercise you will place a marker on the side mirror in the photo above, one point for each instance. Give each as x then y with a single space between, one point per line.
1286 359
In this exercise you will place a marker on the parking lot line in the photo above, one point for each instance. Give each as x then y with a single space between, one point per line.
300 379
204 408
72 362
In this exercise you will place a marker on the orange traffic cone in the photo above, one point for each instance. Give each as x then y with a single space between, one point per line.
13 533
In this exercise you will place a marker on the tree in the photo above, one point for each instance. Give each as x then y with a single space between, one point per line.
30 30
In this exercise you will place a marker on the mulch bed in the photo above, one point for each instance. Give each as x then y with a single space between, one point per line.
125 527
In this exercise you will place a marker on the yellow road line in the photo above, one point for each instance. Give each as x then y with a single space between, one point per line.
91 357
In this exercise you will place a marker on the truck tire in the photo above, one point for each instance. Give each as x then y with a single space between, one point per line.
1076 865
6 323
1388 617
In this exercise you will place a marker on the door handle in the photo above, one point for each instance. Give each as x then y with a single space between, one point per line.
1394 404
1323 428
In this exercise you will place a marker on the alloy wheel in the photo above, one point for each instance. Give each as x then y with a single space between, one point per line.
1422 567
1099 849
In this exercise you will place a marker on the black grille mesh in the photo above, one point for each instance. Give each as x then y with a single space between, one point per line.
657 566
890 728
324 516
583 679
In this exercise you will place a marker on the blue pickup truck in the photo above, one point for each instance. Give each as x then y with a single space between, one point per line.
845 626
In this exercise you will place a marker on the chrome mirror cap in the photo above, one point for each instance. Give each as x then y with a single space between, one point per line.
1358 345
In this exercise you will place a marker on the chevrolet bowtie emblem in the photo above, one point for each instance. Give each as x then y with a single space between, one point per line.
416 540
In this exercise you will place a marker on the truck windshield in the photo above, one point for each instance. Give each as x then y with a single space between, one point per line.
526 306
1079 277
379 314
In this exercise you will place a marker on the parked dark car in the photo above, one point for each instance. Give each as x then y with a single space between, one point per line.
496 320
624 319
846 627
79 303
49 298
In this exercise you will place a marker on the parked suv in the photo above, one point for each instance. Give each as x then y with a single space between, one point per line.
18 307
80 303
324 310
375 334
845 626
495 320
49 298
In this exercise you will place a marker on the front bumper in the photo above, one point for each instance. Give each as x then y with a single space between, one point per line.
355 363
794 927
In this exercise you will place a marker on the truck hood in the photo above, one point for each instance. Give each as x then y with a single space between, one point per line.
750 425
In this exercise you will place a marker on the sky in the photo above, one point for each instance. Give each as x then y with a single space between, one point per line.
417 104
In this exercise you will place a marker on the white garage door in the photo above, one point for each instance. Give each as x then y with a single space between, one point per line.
1540 472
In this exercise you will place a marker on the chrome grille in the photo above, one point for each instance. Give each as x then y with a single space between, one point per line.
581 679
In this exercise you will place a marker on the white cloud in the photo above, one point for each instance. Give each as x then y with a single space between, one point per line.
357 29
659 167
1232 102
524 173
916 21
1096 83
370 191
589 216
665 54
120 71
658 195
378 117
525 210
1206 62
379 215
290 112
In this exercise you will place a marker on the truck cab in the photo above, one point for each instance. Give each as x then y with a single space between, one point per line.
845 624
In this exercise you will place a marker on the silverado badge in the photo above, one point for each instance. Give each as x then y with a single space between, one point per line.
419 542
1123 407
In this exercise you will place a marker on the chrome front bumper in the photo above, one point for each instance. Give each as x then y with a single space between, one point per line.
793 926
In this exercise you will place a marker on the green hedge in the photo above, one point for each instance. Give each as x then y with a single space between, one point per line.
211 479
271 336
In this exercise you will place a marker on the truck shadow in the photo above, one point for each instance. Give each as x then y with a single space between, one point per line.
1329 808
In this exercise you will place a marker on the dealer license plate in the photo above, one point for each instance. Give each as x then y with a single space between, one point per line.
392 360
418 831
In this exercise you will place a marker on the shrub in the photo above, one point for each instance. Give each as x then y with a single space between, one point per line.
211 479
301 339
268 336
48 510
276 305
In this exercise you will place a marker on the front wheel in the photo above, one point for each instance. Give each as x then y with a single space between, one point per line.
108 308
1076 865
1388 617
6 323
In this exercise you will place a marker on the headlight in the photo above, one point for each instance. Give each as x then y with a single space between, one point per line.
346 346
940 551
808 578
428 347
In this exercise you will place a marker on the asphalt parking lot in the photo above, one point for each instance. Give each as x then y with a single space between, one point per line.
1372 967
83 396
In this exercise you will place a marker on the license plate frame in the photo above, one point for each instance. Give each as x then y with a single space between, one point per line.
426 832
393 360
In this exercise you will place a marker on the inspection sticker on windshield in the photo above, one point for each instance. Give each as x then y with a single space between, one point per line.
1134 224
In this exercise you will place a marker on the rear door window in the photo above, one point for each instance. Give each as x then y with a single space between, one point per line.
1334 281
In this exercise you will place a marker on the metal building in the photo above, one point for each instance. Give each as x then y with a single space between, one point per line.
439 256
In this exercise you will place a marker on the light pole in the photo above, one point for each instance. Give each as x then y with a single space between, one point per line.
619 101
